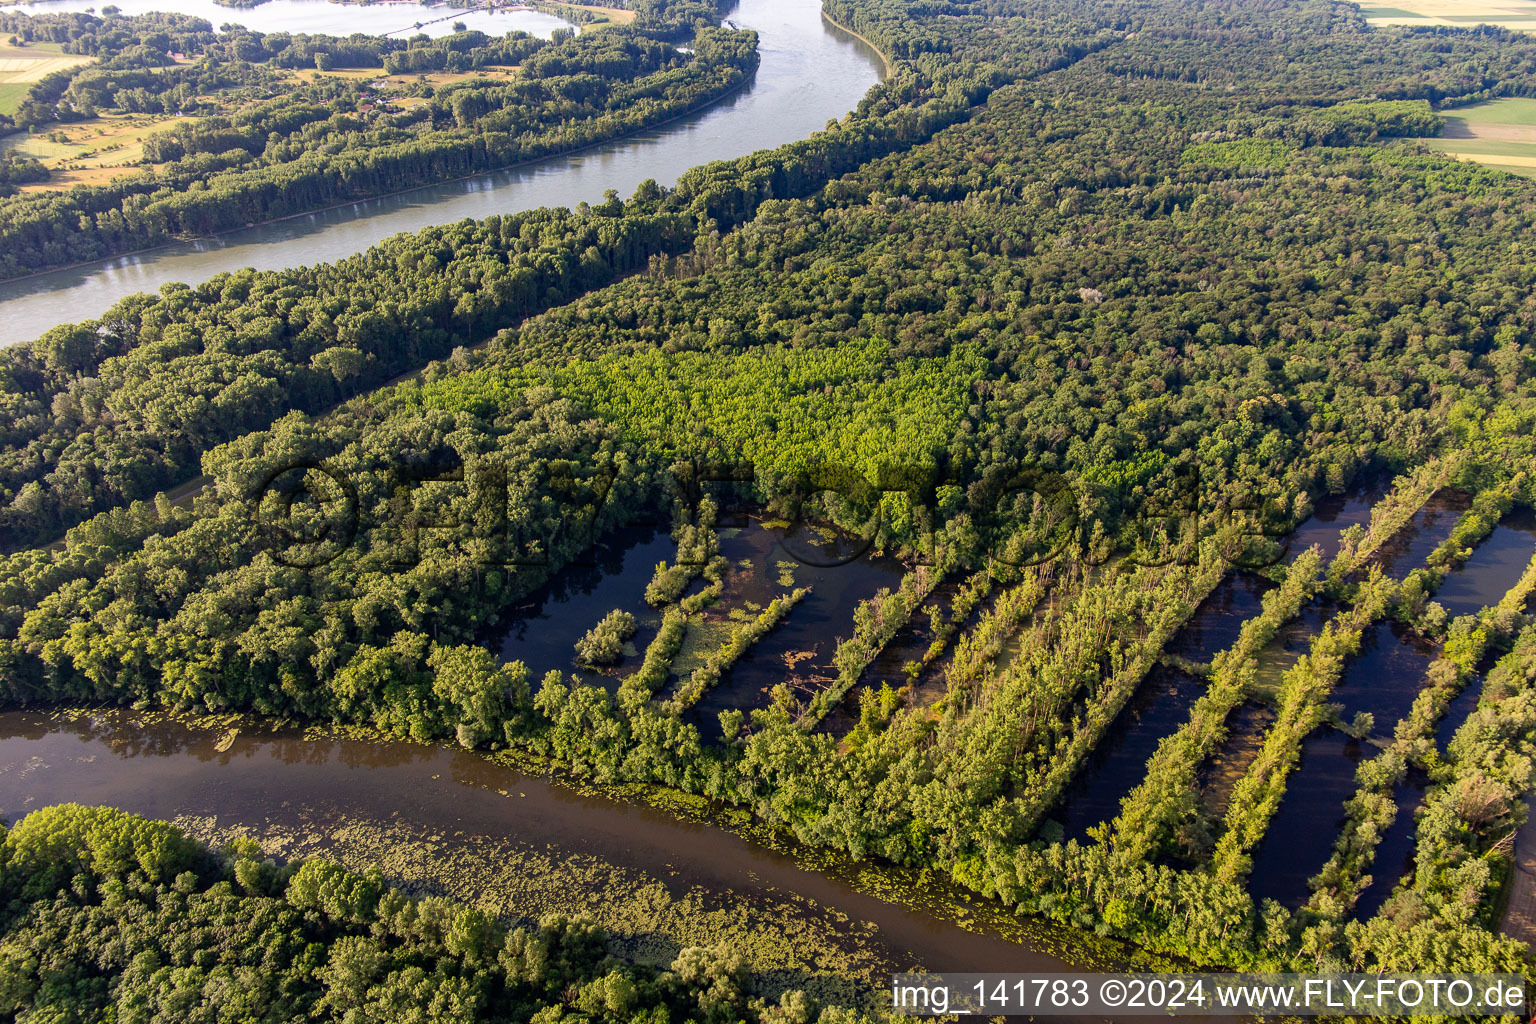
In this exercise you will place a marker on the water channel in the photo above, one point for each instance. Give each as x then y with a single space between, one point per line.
1382 681
265 783
811 72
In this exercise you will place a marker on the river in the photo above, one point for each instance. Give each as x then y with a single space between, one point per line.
811 72
336 790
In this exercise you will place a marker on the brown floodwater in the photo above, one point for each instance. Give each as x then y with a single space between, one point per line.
164 769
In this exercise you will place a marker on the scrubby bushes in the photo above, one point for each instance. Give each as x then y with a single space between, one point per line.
603 644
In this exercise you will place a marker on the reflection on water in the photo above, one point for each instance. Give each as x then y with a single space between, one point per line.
1383 680
1159 707
1494 568
1457 713
1386 676
800 648
1162 703
1394 854
909 645
762 564
811 72
1335 513
163 769
1217 622
541 631
1429 527
1300 838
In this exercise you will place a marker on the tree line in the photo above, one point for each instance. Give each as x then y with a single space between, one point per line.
263 146
106 913
1052 239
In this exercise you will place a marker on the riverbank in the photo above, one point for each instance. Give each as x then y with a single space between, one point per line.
556 153
885 61
513 835
577 151
808 74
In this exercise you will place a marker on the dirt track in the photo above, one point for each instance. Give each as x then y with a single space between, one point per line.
1520 916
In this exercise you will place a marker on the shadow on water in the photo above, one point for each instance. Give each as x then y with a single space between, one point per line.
1292 640
1300 838
163 769
1457 713
799 650
909 645
1394 854
1383 680
1161 704
1494 568
541 630
1334 513
1216 623
1430 525
1385 676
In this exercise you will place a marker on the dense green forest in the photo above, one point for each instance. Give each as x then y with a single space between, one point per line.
107 915
1081 307
262 142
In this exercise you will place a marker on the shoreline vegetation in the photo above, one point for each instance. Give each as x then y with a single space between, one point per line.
421 866
703 106
308 939
343 140
925 318
885 61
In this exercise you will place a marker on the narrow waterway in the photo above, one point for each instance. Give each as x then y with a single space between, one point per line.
1382 681
811 72
1334 513
1427 530
1301 835
1494 568
1394 854
1162 703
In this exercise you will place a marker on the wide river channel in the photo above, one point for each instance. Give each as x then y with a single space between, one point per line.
811 72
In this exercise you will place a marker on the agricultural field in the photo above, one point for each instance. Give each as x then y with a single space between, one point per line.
1516 15
1499 133
24 64
91 152
20 66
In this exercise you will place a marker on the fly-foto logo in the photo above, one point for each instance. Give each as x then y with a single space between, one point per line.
309 512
